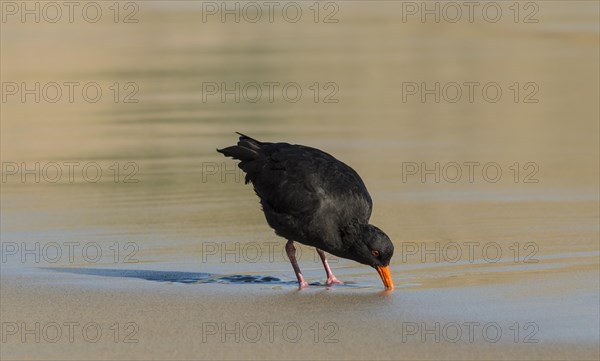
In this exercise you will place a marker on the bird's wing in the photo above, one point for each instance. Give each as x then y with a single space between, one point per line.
300 181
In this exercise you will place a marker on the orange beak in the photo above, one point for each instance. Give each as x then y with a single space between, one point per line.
384 273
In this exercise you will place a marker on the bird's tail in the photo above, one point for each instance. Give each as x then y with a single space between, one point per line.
247 149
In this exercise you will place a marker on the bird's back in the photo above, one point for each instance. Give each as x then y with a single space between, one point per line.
305 192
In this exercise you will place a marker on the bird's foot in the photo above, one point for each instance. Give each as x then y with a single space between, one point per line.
302 284
333 281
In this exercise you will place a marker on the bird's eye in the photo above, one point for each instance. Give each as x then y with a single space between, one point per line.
375 253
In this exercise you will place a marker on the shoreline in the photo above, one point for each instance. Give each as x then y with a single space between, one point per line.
231 321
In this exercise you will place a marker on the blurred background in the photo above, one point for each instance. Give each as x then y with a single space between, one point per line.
145 91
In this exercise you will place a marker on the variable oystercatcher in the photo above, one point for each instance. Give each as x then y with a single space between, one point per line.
310 197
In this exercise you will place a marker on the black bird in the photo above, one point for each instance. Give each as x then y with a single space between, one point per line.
310 197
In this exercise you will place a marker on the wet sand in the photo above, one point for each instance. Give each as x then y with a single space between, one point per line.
175 321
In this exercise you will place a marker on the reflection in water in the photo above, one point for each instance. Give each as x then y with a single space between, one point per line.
185 277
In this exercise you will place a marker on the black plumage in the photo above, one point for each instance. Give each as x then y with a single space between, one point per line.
310 197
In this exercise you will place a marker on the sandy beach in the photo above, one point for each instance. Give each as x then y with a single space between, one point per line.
173 321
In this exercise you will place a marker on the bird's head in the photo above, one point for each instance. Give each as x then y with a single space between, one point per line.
374 248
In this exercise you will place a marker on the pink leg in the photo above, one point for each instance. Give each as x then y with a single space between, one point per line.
330 277
291 252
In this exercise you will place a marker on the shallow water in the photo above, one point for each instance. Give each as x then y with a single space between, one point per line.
175 205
